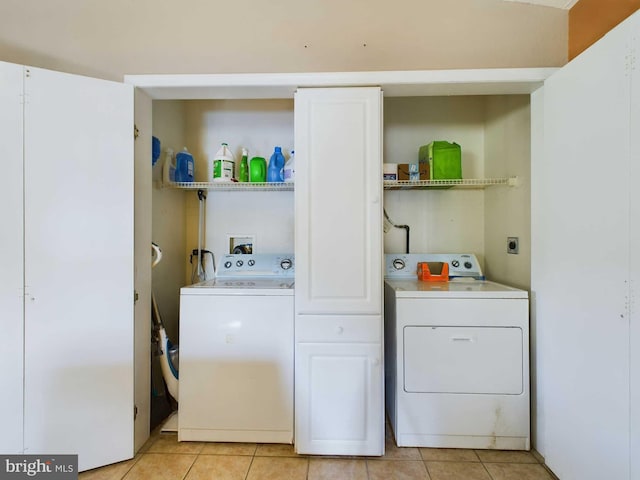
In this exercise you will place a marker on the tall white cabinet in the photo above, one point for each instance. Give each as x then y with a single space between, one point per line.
11 255
67 255
585 269
338 293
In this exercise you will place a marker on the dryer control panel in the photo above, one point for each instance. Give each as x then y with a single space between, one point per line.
405 265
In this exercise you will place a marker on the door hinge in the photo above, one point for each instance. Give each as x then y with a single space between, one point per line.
136 132
135 412
135 296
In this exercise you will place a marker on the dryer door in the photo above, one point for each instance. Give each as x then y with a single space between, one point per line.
480 360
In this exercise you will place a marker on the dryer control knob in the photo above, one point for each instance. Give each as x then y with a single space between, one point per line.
251 262
286 264
239 263
398 264
227 264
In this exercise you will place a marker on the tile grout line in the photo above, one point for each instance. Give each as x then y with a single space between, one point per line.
246 475
308 467
129 469
485 468
191 466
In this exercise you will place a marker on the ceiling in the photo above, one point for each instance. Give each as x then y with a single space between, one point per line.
564 4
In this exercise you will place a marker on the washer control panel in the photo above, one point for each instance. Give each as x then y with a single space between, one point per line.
256 265
405 265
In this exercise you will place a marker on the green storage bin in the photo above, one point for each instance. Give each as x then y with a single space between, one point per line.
444 158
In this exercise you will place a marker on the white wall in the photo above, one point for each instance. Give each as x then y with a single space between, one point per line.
440 220
258 125
110 39
507 209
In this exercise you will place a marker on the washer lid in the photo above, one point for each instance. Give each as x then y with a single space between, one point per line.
242 286
462 288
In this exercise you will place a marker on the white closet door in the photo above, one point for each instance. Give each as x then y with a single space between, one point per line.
580 236
338 200
634 251
142 249
78 267
11 256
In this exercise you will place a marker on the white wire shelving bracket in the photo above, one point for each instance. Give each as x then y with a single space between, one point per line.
468 183
231 186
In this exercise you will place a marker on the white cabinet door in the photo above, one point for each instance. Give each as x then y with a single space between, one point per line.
580 262
634 261
142 279
339 399
11 255
78 267
338 200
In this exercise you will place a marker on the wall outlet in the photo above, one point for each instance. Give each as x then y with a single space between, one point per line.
513 245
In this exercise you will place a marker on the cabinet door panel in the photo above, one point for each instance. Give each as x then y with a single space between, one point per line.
634 261
581 290
78 267
142 280
338 200
11 255
339 399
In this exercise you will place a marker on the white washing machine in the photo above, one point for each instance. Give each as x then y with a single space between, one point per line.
456 357
236 352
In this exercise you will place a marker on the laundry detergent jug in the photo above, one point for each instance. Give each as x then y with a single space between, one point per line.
184 166
275 172
258 170
290 169
223 165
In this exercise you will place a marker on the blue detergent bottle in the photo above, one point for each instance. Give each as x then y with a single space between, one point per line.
184 166
275 172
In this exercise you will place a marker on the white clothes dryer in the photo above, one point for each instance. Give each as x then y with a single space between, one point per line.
456 357
236 352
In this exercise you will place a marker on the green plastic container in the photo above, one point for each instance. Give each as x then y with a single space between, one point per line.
444 158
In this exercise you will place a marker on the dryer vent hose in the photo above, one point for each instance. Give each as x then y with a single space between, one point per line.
388 223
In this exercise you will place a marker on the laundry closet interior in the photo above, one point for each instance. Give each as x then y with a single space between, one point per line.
494 134
488 117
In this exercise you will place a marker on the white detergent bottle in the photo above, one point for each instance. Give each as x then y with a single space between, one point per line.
223 165
289 169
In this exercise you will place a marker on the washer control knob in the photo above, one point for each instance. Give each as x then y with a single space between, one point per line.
286 264
239 263
227 264
398 263
455 263
468 265
251 262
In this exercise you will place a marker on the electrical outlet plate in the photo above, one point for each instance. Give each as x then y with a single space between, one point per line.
241 243
513 245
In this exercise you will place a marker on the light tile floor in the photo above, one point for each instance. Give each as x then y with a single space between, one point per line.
164 458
